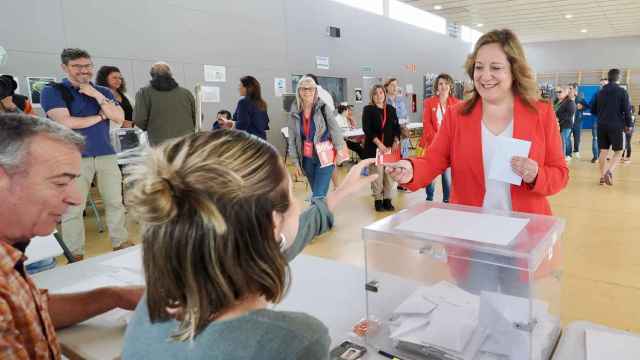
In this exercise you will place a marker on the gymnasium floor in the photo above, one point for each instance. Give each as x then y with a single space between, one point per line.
600 280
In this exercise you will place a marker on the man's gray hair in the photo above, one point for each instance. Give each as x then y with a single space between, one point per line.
16 130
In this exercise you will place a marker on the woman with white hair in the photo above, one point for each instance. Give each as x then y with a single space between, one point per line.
314 138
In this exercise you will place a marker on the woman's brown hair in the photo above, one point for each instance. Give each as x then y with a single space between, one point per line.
206 204
524 83
374 88
254 91
445 77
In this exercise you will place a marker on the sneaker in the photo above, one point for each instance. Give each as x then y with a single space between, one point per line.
576 155
594 160
378 205
626 161
567 158
602 180
608 178
387 206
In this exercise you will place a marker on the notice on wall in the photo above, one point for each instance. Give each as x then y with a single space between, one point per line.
280 86
3 56
210 94
36 84
214 73
410 89
322 62
358 93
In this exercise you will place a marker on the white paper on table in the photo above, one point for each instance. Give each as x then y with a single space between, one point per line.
603 345
500 166
416 304
405 324
484 228
131 260
210 94
126 276
115 317
446 292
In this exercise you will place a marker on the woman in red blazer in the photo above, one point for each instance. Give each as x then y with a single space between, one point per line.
434 110
504 102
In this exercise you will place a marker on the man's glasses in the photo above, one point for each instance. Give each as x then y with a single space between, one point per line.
81 67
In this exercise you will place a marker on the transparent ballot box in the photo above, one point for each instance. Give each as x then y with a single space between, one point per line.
129 144
458 282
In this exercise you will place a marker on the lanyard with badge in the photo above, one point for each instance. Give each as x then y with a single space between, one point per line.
306 128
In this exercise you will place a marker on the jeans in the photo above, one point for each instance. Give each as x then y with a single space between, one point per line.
446 181
595 148
319 177
566 141
577 128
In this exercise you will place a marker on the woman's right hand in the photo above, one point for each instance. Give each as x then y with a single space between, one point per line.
383 149
297 172
401 171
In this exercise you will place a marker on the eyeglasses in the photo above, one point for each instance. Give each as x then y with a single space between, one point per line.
309 89
559 92
81 67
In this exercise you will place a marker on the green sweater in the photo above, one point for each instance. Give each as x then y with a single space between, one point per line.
165 114
261 334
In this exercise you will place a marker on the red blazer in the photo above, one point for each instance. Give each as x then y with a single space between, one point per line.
430 118
458 145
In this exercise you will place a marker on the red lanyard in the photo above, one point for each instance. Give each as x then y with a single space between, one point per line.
306 125
384 120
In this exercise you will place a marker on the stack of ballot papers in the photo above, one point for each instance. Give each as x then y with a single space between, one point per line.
454 324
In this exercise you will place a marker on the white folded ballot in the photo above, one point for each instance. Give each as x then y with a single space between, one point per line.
446 320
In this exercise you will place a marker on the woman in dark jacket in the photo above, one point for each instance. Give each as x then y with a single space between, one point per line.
382 132
251 112
565 112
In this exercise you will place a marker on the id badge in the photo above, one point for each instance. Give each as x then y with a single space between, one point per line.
326 153
308 149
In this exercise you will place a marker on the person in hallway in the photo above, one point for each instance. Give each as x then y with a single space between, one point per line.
251 112
245 210
39 161
434 110
611 105
163 108
323 94
111 77
565 112
504 102
6 97
576 130
395 99
626 153
313 126
382 133
345 120
89 109
223 120
595 148
22 102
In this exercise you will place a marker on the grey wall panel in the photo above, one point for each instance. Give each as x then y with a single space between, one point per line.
267 39
623 52
32 25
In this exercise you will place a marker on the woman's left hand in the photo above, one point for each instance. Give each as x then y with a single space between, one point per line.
526 168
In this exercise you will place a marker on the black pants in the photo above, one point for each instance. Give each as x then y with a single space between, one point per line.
356 148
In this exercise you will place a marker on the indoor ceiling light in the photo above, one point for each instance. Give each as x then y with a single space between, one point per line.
480 25
437 7
583 30
568 16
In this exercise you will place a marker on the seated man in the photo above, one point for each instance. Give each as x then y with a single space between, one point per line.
37 186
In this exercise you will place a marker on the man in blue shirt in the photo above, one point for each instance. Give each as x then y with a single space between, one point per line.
90 110
611 105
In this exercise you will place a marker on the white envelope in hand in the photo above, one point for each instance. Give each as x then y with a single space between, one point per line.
500 166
